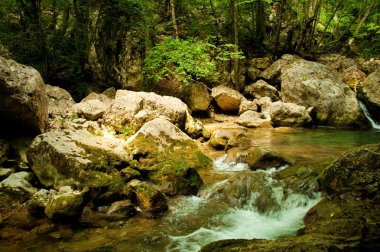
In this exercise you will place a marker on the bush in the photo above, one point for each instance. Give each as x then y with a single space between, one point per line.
186 60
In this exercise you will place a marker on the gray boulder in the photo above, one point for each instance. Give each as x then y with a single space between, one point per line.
59 101
312 84
93 107
262 89
23 102
253 119
134 109
227 99
289 114
369 93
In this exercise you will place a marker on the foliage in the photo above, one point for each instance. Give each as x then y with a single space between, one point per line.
127 131
186 60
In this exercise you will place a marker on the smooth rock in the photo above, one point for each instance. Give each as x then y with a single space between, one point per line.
262 89
253 119
227 99
289 115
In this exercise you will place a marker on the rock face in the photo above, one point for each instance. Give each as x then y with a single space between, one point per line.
369 93
197 97
133 109
227 98
59 101
76 158
23 102
289 114
312 84
262 89
253 119
168 156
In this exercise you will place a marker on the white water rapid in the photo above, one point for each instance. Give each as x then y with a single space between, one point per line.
367 114
245 222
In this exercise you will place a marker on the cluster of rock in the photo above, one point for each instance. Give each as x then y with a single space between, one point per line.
104 159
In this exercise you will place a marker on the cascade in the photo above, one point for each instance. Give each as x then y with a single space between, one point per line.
367 114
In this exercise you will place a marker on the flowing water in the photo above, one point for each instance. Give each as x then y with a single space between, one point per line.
197 220
368 115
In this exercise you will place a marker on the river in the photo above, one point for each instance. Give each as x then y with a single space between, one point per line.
197 220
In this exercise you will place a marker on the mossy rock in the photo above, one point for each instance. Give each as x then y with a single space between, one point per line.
65 207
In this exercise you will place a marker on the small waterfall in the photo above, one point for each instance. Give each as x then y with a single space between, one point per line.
366 113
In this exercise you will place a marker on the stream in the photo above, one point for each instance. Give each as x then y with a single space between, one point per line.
194 221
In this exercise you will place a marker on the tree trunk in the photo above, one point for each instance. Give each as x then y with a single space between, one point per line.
236 43
282 9
174 20
260 22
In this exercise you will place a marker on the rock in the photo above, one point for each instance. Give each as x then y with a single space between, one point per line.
129 174
150 200
93 106
253 73
262 89
336 61
369 66
311 84
197 98
60 158
355 172
264 158
39 201
169 156
194 127
59 101
260 63
5 172
23 102
273 72
369 93
65 207
353 76
264 104
247 105
16 189
253 119
227 99
120 210
222 139
238 191
134 109
289 115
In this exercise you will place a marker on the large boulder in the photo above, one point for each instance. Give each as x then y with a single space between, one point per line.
227 99
289 114
369 93
197 98
253 119
59 101
23 102
262 89
312 84
77 158
168 156
134 109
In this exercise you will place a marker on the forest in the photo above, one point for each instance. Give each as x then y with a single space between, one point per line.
85 45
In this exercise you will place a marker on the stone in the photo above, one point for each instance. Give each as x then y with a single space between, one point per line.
353 76
355 172
260 63
237 192
15 190
264 158
253 73
5 172
262 89
150 200
227 99
65 206
194 127
134 109
273 72
264 104
93 106
220 138
77 158
369 93
59 101
120 210
168 156
197 98
23 101
253 119
289 115
247 105
312 84
39 201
